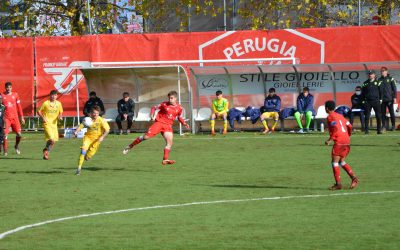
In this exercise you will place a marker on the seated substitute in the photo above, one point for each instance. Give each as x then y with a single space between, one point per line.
272 106
357 107
126 112
305 106
220 106
91 102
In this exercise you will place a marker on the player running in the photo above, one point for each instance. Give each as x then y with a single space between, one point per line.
168 112
12 113
93 137
220 106
340 132
50 111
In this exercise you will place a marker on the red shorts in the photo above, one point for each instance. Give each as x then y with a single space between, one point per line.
340 150
158 127
12 123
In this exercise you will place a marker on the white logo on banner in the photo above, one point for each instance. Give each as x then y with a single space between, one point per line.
66 78
209 84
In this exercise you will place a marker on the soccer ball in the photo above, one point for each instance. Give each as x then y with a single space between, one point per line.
87 122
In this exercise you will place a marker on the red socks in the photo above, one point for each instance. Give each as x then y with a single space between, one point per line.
136 141
348 170
166 153
336 174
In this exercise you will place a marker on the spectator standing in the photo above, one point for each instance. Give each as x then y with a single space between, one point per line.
91 102
357 107
271 108
126 112
305 106
371 92
389 91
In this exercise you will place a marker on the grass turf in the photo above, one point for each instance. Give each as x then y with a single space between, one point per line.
235 166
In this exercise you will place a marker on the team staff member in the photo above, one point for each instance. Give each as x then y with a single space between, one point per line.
272 106
93 101
357 107
93 137
220 107
12 113
372 97
126 111
50 111
389 91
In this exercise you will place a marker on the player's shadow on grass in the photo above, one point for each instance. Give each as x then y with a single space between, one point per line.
97 169
36 172
19 158
262 186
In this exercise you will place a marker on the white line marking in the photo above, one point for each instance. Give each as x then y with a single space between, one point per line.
184 205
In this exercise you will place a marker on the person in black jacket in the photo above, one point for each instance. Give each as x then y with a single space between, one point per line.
389 91
126 112
371 92
2 109
93 101
357 107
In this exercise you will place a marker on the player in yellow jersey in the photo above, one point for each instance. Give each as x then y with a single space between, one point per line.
94 136
220 106
50 111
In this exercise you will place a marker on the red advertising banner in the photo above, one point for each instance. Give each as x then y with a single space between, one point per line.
16 66
56 63
56 56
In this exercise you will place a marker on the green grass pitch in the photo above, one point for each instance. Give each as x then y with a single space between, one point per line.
232 167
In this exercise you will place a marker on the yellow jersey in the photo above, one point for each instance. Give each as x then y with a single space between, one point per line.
51 111
220 106
97 129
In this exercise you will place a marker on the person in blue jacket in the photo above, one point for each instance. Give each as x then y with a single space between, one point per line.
271 108
305 107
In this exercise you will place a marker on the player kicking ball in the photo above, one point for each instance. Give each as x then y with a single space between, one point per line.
96 132
340 132
168 112
50 111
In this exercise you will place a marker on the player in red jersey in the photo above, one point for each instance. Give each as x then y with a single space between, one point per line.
168 112
11 118
340 132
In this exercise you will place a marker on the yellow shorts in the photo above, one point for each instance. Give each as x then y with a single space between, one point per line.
90 145
221 115
273 115
50 132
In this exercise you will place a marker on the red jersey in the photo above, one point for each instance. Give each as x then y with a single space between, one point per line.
13 105
339 129
168 113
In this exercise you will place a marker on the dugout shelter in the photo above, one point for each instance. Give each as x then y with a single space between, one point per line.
147 85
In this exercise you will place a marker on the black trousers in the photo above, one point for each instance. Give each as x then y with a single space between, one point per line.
120 119
1 133
376 105
388 105
362 118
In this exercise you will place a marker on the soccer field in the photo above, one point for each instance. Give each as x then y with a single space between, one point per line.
239 191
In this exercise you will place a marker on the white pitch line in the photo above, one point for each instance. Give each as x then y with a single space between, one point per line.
18 229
